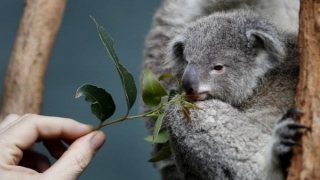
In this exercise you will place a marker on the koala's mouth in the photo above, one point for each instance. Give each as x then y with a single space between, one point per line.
197 96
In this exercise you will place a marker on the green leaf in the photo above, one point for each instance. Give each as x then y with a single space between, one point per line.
162 137
102 105
126 77
172 93
186 112
164 154
193 106
157 127
152 90
168 76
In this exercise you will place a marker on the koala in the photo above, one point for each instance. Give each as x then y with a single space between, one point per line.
171 18
244 73
174 16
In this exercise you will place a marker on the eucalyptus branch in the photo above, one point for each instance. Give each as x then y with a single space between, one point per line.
148 114
103 106
153 113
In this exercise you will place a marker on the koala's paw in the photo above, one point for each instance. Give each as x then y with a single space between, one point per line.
287 133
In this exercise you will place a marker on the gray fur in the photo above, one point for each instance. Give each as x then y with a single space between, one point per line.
232 137
172 18
174 15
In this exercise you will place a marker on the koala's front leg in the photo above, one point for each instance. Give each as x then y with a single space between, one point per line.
286 134
219 143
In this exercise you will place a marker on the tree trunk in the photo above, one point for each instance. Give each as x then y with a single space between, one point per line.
24 81
306 160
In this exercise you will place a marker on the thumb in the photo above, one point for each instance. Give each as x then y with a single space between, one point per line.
74 161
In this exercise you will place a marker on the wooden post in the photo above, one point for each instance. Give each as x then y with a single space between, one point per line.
37 32
305 164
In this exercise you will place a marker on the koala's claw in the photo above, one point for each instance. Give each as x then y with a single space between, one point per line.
291 113
298 126
289 142
287 132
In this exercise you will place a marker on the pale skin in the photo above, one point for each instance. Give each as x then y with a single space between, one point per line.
19 133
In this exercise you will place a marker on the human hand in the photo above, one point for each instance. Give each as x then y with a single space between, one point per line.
19 133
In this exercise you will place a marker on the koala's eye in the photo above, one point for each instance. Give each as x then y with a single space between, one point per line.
218 67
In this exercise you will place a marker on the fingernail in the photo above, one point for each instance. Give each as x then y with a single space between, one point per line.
97 140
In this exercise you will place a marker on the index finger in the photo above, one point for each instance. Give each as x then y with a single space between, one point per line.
28 128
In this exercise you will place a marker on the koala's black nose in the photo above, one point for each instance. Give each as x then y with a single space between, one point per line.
190 79
187 87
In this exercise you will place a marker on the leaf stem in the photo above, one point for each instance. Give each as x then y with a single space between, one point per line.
100 126
153 113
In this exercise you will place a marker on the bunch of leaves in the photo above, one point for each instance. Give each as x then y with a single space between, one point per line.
103 106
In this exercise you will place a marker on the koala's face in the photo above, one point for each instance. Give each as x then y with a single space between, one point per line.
224 59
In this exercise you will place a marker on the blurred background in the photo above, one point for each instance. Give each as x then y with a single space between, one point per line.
79 57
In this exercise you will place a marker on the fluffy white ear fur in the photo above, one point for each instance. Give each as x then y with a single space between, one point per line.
273 46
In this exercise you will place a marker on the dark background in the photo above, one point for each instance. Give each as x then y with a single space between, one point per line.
79 57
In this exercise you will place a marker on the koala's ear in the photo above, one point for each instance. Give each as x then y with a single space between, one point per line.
271 42
177 49
175 57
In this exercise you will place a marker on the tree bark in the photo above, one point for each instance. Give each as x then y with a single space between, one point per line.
305 164
37 32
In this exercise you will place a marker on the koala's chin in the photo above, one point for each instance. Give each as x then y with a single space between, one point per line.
201 96
204 96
